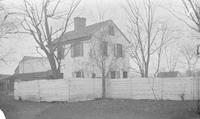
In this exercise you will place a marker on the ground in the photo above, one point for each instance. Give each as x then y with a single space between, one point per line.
99 109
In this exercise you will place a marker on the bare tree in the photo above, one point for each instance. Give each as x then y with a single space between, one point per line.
172 58
192 8
7 28
102 55
39 21
147 34
190 57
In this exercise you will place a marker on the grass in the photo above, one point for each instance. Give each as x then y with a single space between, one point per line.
100 109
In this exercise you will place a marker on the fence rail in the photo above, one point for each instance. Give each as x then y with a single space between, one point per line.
78 89
58 90
153 88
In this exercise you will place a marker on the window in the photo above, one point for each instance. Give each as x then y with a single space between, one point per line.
111 31
77 49
125 74
114 74
93 75
78 74
118 51
61 52
104 48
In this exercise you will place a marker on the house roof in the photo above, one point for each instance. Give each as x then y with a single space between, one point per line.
31 76
3 76
168 74
25 58
87 31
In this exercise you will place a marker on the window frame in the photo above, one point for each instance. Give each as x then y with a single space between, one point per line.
75 74
104 48
118 50
126 74
77 49
111 30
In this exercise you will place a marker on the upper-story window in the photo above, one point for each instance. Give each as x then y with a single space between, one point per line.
60 52
111 30
77 49
114 74
118 50
125 74
104 48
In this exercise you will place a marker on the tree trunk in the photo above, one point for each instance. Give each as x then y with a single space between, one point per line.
103 85
55 71
146 73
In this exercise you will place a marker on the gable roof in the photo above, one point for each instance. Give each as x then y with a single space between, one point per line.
168 74
31 76
26 58
86 32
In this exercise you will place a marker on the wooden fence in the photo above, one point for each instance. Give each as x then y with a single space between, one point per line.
58 90
153 88
78 89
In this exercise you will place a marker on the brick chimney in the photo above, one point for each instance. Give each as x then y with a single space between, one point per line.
79 23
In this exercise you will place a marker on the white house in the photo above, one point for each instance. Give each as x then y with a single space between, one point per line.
30 64
87 50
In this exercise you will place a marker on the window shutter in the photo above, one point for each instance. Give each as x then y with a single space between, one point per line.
72 50
62 52
111 30
112 74
81 49
105 48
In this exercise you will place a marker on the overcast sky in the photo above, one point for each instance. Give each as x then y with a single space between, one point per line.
23 45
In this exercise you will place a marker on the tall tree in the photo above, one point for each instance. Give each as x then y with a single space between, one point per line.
192 12
7 27
189 57
39 21
147 34
103 55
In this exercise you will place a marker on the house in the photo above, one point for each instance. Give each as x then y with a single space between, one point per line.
32 68
30 64
169 74
85 48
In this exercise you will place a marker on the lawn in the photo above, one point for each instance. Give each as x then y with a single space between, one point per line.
100 109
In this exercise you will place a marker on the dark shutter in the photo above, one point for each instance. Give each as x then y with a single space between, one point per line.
111 30
81 49
112 74
72 50
60 52
104 48
119 50
125 74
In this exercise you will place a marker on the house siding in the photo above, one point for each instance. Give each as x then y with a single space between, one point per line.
34 65
87 64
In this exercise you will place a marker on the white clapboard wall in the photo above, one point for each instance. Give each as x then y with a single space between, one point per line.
58 90
153 88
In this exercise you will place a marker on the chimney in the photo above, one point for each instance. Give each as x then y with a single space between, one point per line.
79 23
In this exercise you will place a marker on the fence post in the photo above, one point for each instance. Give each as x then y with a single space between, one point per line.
161 88
39 90
131 83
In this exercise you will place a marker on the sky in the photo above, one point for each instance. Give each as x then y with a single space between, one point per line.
24 45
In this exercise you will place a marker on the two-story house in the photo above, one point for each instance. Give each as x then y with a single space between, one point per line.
87 50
